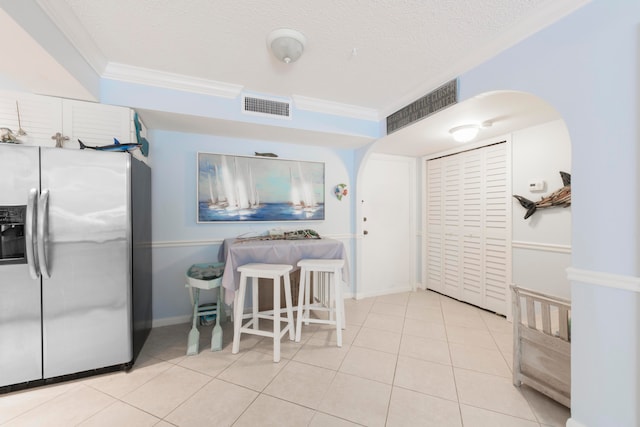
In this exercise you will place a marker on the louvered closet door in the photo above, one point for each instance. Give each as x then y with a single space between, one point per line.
435 226
472 220
468 226
451 219
496 249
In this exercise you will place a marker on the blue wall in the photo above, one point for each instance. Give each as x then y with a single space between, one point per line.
587 66
179 241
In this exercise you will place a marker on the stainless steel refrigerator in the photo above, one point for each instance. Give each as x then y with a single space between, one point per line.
75 262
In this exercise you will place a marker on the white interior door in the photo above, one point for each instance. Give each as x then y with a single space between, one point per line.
388 225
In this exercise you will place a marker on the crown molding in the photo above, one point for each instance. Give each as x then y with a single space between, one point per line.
335 108
149 77
63 17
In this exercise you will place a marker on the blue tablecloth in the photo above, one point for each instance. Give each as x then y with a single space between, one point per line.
237 252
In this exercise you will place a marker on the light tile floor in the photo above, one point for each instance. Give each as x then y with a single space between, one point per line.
410 359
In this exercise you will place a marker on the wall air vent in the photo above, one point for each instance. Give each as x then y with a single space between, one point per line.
266 107
444 96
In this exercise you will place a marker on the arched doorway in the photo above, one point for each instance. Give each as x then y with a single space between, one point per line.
520 118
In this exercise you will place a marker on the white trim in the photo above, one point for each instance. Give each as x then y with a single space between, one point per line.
168 321
545 247
573 423
616 281
361 295
149 77
188 243
336 108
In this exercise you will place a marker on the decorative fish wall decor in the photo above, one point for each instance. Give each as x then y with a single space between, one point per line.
116 146
561 197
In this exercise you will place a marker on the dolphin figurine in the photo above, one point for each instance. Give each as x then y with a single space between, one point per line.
561 197
116 146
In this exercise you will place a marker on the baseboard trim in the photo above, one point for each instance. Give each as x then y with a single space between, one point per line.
616 281
168 321
573 423
362 295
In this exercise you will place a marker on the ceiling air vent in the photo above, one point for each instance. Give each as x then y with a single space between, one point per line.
267 107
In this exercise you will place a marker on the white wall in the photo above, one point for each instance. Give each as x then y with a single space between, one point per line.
178 241
541 243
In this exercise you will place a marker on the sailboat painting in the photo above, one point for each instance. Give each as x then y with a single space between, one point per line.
243 188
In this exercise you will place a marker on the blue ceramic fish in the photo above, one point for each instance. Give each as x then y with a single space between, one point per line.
116 146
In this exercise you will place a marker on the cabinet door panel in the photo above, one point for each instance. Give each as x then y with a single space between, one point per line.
40 117
95 124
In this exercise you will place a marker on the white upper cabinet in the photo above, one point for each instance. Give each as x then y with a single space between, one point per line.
95 124
43 117
40 117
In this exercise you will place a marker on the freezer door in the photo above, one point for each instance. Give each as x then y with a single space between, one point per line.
20 333
87 257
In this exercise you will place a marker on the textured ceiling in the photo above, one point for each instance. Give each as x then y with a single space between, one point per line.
403 49
363 59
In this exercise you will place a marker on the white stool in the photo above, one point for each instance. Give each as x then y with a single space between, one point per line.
255 272
325 272
205 277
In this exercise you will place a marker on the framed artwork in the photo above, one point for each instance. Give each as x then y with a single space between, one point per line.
244 188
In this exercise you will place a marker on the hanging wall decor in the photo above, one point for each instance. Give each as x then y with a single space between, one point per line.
559 198
341 191
244 189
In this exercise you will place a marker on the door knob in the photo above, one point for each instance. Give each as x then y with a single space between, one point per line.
365 232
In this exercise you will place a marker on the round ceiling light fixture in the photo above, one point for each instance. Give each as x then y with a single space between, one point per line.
464 133
287 45
469 132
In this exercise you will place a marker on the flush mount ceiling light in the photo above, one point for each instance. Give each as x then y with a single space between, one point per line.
466 133
287 45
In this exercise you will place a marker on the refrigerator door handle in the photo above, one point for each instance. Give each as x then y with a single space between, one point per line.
43 233
30 234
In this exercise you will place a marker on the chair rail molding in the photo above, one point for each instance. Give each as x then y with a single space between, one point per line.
544 247
616 281
219 241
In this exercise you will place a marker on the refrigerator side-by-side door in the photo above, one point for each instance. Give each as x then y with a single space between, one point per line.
85 260
20 331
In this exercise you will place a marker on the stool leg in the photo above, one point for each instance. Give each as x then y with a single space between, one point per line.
254 298
287 298
307 294
331 291
276 319
238 309
337 296
301 297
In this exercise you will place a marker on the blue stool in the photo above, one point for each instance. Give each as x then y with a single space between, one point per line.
205 277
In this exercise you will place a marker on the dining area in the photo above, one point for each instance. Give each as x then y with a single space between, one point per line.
269 277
